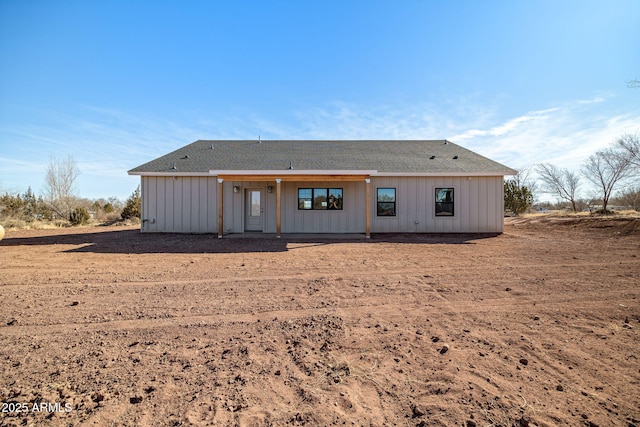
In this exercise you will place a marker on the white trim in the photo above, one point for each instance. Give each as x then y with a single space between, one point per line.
292 172
373 173
425 174
169 173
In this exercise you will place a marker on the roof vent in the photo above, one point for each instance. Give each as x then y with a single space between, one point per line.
174 166
212 146
455 157
186 156
290 165
432 157
259 140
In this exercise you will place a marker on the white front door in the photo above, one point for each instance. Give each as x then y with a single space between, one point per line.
254 210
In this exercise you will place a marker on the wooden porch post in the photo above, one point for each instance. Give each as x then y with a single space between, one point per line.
220 210
368 208
278 208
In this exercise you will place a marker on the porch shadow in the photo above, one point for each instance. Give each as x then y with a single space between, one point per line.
133 242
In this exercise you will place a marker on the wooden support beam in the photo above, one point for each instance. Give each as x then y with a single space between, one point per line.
278 208
220 210
367 231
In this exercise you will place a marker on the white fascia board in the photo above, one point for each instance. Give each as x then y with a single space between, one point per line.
169 173
292 172
416 174
319 172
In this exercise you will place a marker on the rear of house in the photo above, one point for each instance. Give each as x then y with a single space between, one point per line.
322 187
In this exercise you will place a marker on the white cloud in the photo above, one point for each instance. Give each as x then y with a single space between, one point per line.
565 135
106 143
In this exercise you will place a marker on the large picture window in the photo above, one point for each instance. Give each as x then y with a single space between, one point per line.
386 201
320 198
444 202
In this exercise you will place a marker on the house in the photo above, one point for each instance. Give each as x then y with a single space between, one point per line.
373 186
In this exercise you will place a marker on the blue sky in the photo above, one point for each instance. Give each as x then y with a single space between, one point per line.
118 83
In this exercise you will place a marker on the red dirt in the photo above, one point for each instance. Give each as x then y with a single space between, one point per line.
538 326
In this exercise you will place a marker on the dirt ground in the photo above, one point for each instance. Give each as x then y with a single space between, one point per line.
538 326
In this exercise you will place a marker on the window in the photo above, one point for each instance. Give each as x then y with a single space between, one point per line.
256 209
304 198
335 199
444 202
386 201
320 198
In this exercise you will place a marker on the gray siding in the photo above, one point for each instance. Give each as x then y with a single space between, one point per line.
179 204
478 205
234 205
189 205
351 219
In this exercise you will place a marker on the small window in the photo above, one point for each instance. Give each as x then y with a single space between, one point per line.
320 198
256 209
386 202
335 199
444 202
304 198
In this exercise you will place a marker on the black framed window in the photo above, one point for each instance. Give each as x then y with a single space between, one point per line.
386 201
305 198
444 202
320 198
334 202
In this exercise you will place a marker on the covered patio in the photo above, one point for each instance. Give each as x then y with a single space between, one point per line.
278 177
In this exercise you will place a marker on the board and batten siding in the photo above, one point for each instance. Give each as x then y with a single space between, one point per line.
178 204
351 219
478 205
234 205
189 205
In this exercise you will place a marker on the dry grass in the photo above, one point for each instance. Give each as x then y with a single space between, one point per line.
19 224
563 213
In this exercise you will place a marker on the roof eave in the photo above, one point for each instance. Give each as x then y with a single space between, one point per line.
373 173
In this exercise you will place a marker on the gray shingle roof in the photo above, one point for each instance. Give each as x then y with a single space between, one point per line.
390 156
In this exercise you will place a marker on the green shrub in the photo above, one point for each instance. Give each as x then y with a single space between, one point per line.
79 216
132 206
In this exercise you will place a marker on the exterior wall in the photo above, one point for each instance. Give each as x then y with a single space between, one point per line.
234 205
189 205
179 204
351 219
479 205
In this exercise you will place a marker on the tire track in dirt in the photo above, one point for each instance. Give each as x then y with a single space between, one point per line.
368 305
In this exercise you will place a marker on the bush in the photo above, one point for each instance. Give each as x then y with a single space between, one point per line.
132 206
517 199
79 216
13 223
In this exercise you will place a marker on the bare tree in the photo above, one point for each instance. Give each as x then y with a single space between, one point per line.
59 185
561 182
606 169
631 146
633 83
523 179
629 197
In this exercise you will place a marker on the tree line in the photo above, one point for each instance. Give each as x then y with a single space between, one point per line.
614 168
59 203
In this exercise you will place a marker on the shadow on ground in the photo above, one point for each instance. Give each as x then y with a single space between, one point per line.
134 242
